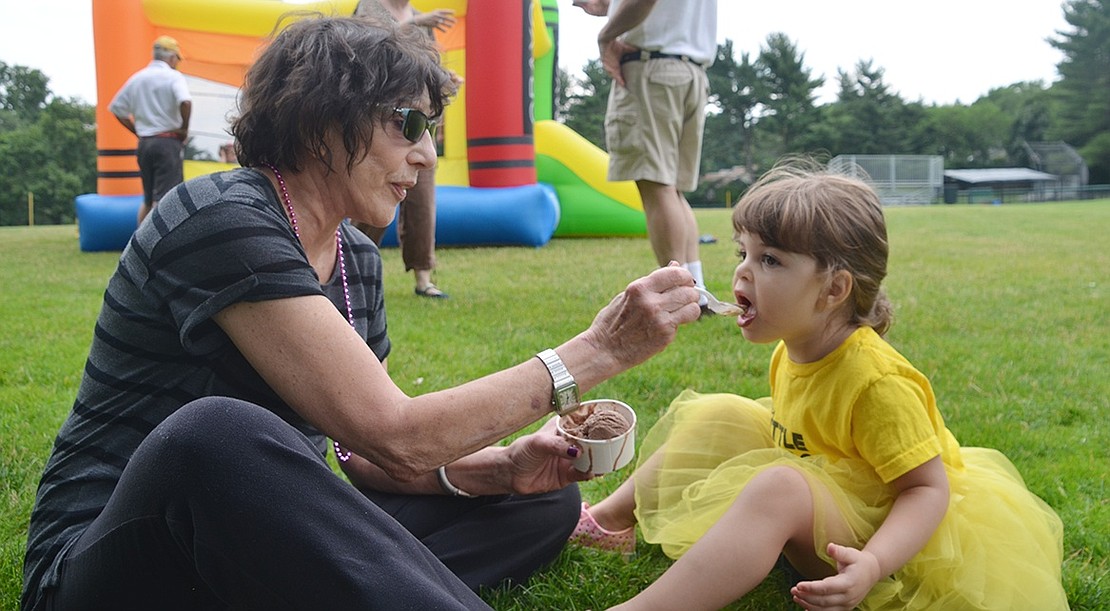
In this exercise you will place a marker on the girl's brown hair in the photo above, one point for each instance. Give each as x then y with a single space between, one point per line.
801 207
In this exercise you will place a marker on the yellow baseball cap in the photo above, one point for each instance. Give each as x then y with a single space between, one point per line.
170 44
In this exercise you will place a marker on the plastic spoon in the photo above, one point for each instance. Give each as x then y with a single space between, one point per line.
720 307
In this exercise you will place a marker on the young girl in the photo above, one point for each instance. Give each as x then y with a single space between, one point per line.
847 470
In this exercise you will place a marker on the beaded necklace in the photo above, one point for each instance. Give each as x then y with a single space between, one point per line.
340 453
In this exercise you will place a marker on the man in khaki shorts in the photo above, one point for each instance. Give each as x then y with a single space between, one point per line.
657 52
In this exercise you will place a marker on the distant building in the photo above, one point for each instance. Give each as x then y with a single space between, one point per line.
998 185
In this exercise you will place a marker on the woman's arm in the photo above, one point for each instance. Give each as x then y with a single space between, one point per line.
306 351
532 464
917 511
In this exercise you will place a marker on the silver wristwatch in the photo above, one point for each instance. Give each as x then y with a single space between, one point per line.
564 398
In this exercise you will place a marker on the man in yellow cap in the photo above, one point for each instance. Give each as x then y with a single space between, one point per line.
154 104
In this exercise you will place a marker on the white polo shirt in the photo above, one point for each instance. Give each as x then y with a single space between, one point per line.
677 27
153 96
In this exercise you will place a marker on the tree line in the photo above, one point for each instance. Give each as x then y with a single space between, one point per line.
764 107
47 148
761 108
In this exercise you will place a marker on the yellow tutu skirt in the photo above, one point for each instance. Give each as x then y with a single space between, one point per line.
998 547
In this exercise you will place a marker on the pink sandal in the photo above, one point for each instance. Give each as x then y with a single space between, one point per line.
589 533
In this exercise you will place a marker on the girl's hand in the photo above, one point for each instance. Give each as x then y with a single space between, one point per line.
857 572
919 507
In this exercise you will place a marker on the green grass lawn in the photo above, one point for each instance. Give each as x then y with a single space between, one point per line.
1005 308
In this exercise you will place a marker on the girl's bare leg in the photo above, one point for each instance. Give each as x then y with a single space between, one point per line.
617 511
772 514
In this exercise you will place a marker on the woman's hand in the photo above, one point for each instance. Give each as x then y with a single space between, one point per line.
857 571
441 19
643 319
542 462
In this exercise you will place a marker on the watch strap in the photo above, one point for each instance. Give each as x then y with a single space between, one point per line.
564 396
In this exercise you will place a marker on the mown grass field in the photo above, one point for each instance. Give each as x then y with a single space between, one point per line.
1006 308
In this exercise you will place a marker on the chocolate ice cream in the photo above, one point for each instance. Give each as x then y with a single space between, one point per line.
602 422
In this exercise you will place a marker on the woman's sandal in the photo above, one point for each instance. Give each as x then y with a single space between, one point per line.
589 533
431 291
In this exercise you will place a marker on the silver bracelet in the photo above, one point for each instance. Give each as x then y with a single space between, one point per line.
450 488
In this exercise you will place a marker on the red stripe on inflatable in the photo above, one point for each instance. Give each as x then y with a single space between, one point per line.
516 176
499 88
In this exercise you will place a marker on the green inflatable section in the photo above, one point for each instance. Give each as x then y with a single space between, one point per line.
544 73
585 211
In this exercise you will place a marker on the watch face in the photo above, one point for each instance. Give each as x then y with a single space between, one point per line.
567 398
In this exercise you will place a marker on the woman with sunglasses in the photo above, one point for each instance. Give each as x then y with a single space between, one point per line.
243 336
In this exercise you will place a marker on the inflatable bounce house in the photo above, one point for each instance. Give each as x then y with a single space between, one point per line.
509 174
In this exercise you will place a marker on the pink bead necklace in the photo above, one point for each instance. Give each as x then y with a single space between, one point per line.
340 453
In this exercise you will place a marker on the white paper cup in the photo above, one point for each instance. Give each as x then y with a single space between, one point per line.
603 455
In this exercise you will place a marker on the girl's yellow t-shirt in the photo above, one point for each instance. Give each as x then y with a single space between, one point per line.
863 401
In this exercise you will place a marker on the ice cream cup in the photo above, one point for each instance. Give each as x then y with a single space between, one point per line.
604 455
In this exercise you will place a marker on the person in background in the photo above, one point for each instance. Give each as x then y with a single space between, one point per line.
416 216
657 52
245 326
227 153
155 104
847 470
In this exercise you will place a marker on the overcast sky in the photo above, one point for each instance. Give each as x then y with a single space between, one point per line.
938 51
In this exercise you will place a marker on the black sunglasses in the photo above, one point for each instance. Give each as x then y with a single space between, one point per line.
413 124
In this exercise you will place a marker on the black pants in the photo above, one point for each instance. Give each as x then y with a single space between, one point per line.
225 506
160 166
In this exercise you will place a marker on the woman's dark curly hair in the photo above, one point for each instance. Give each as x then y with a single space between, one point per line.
332 73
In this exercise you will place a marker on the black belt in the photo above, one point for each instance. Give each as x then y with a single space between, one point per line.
643 56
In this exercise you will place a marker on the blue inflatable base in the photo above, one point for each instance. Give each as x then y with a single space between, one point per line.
504 216
106 222
465 216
